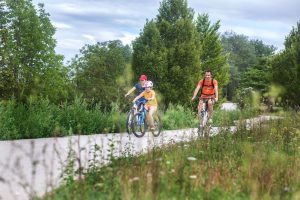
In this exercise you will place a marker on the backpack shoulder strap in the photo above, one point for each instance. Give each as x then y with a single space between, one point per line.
212 82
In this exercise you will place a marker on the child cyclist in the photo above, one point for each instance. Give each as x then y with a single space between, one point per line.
139 87
151 104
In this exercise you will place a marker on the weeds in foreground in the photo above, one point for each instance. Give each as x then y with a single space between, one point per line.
263 163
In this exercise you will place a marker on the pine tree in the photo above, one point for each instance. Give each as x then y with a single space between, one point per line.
212 55
169 47
286 67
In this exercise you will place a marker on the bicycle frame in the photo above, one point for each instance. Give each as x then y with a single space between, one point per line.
204 113
139 123
203 118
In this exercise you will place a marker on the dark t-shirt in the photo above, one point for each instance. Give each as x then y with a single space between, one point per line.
138 88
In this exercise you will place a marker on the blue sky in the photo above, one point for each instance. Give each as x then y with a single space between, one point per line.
80 22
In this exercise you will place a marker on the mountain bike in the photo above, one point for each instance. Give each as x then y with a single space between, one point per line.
139 126
131 113
203 129
130 117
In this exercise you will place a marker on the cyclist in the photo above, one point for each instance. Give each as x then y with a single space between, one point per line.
151 104
209 93
139 87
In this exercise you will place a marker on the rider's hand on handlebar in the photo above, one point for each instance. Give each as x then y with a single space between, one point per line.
193 98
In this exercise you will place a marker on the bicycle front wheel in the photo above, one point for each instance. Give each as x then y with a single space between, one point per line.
138 125
129 121
202 123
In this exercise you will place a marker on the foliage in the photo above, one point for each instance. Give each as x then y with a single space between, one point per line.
286 67
28 63
248 61
167 50
257 77
261 163
41 118
177 117
97 69
212 55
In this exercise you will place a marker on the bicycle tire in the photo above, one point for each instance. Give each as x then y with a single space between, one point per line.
158 126
138 125
203 116
129 122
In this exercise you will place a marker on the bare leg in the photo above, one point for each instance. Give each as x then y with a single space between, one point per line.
151 111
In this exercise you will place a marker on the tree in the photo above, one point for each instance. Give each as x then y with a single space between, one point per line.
97 69
29 54
212 54
248 61
286 67
261 49
241 53
168 51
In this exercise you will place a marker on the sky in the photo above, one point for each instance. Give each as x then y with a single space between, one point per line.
80 22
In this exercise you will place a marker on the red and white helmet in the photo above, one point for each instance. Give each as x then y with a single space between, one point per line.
148 84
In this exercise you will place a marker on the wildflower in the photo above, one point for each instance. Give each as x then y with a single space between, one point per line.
172 170
159 159
193 176
134 179
192 158
286 189
99 185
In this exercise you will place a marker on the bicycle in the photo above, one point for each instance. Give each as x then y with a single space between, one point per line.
131 114
203 130
139 126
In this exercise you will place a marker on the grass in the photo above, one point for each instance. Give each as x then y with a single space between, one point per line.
263 163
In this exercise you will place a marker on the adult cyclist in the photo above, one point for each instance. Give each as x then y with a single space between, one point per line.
209 93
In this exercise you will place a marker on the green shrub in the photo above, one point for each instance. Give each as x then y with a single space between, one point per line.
177 117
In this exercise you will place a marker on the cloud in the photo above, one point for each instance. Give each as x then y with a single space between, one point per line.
61 25
81 22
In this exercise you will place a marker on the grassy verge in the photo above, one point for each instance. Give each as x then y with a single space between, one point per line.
263 163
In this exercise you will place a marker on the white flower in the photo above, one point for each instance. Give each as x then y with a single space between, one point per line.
193 176
192 158
134 179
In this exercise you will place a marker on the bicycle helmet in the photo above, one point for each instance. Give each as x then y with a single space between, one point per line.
143 77
149 84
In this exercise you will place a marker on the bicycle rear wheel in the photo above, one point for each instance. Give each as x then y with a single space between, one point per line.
158 126
138 125
203 117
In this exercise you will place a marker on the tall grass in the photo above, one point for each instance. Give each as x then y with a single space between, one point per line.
263 163
40 118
